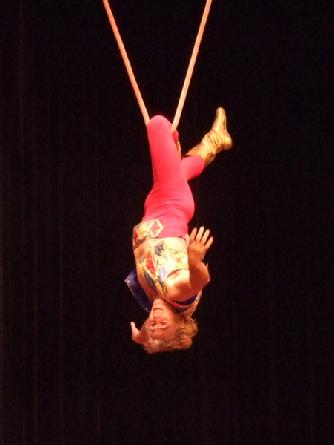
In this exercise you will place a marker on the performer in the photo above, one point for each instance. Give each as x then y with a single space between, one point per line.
170 273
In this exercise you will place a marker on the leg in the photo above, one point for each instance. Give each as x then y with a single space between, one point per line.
165 155
214 141
166 164
192 166
170 199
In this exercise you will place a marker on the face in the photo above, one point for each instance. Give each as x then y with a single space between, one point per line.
161 322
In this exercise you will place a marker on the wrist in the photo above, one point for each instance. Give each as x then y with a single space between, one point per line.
195 263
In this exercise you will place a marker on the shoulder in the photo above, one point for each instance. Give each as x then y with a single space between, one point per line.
187 307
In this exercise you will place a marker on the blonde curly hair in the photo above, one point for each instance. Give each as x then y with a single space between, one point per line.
186 329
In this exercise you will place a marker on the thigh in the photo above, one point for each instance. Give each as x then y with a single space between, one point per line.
165 159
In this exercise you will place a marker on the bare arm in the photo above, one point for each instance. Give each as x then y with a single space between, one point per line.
199 243
182 288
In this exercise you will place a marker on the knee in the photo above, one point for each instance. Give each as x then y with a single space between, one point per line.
159 121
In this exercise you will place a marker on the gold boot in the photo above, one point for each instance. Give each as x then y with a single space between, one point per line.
216 140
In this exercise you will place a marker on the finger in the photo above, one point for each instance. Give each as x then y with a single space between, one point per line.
200 233
186 238
205 235
193 234
209 243
134 330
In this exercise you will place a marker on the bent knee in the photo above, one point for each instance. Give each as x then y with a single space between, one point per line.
159 121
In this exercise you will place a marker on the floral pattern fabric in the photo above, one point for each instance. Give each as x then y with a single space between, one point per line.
146 229
158 264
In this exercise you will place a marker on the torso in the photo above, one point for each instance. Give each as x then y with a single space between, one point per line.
166 269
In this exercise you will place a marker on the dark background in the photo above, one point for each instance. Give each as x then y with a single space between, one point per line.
75 170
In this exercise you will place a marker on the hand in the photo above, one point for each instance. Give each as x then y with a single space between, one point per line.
199 242
134 332
138 336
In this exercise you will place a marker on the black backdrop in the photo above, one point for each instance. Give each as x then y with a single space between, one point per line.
75 170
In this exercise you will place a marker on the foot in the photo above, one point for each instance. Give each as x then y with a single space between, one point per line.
216 140
218 135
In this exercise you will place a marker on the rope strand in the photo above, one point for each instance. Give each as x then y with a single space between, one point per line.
127 63
192 62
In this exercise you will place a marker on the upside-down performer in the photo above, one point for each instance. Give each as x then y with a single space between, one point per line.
170 273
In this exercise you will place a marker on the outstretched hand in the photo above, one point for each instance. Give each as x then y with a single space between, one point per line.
138 336
134 332
199 242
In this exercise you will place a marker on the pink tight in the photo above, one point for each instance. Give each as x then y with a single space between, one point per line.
170 199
